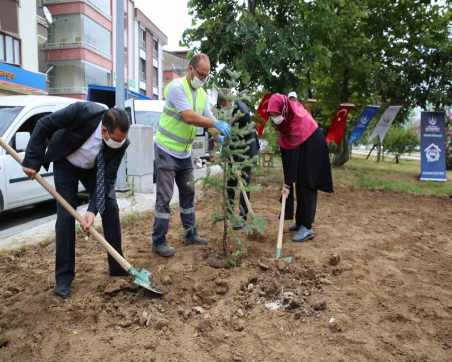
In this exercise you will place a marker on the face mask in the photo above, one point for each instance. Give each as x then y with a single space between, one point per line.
114 144
278 119
197 83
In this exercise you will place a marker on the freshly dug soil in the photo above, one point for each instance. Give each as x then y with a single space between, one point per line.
374 285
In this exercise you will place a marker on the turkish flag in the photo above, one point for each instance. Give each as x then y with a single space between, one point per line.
262 112
338 124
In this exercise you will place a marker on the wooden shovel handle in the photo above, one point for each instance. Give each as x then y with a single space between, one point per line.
245 196
285 194
123 262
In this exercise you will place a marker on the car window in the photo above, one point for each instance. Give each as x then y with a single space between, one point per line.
28 126
7 116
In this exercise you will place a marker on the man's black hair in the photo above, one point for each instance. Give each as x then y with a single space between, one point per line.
116 118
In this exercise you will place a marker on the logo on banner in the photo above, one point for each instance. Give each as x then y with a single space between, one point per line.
363 121
432 153
432 126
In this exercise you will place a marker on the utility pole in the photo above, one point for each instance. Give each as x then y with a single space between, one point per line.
121 181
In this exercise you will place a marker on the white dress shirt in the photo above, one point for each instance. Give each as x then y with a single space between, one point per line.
85 156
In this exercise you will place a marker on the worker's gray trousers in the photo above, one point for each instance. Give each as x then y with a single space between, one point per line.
169 170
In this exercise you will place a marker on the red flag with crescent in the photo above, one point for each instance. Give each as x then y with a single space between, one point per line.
338 124
262 112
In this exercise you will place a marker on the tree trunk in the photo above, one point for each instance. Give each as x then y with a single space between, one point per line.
225 209
343 153
252 6
379 152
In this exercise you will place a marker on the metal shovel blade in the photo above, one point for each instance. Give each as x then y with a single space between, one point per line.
143 278
278 255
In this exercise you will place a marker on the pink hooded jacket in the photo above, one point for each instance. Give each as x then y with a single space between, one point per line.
298 124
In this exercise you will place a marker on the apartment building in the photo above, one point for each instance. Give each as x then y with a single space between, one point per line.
149 54
20 31
81 47
175 64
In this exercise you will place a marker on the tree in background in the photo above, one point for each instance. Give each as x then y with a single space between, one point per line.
400 140
367 51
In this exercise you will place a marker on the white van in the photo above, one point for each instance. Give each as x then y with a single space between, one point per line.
18 117
147 112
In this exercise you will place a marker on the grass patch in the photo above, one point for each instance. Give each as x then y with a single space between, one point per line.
371 175
389 176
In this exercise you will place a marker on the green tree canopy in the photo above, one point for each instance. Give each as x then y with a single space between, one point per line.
380 51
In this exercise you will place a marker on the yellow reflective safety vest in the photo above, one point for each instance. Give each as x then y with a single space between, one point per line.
173 133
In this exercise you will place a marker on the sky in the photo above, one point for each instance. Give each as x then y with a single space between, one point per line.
171 16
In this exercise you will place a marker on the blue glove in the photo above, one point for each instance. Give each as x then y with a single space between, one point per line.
223 127
220 139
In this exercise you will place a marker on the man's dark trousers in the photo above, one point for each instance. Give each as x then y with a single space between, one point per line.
170 169
67 178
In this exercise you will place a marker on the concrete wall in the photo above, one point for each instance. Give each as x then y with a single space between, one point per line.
28 29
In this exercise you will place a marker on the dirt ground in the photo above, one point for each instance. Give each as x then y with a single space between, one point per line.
374 285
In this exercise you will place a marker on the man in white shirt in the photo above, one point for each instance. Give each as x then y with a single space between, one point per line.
86 143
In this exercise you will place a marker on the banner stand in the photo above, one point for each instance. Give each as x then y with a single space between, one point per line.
433 147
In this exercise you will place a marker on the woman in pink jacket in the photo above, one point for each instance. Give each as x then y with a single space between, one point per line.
305 158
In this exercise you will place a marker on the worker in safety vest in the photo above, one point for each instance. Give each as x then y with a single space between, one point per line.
186 108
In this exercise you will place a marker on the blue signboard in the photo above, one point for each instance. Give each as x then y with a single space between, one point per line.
433 147
364 119
21 77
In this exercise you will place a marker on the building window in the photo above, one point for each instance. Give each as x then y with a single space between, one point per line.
96 36
2 48
9 19
142 70
10 49
155 77
17 52
73 76
142 38
102 5
155 52
79 30
96 75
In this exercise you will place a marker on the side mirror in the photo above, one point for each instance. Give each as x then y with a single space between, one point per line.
22 139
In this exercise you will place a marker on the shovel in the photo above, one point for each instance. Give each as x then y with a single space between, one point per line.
141 277
285 194
245 195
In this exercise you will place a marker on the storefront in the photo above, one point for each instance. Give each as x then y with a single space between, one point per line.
15 80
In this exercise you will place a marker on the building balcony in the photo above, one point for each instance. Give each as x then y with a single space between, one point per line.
79 31
101 6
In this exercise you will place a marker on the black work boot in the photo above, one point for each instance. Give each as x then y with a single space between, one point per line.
163 249
62 290
192 238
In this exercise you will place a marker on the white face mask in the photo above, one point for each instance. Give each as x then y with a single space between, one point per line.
197 83
277 119
114 144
